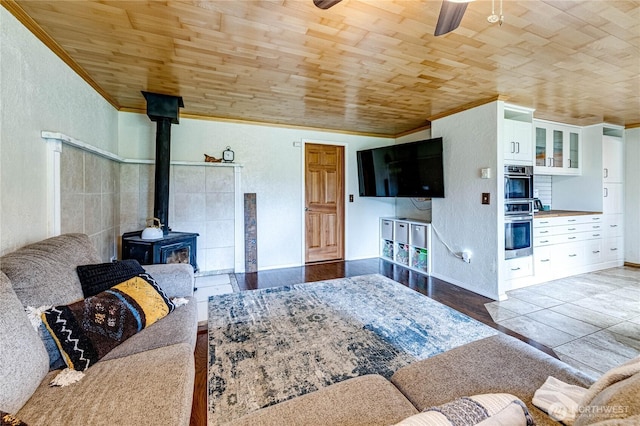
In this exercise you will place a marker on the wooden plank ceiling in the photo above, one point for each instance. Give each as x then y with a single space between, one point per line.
371 67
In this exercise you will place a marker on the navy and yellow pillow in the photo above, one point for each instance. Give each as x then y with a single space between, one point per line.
86 330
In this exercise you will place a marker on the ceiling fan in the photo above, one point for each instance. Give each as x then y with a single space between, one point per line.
451 13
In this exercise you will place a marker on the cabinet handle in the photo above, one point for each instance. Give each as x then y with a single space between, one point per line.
572 220
606 192
544 232
614 249
595 218
596 251
595 235
613 226
515 269
544 260
596 227
543 223
544 242
572 238
572 229
606 172
513 147
572 255
518 147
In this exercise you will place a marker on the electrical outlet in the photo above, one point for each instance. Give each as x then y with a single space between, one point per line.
466 256
351 198
486 198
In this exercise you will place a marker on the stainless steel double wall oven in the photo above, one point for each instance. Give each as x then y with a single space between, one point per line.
518 211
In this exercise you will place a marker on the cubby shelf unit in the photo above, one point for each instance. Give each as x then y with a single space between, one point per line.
406 242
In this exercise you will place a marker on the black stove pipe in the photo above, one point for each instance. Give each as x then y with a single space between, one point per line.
164 110
163 162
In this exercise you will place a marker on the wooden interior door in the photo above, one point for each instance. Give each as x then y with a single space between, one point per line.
324 202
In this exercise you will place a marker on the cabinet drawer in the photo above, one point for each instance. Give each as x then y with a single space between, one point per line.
418 235
613 225
401 232
593 252
386 229
517 268
613 249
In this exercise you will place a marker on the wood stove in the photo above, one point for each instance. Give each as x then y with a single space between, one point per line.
173 247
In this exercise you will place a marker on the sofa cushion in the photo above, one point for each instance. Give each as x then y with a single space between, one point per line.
366 400
44 273
23 359
497 364
154 387
97 278
85 331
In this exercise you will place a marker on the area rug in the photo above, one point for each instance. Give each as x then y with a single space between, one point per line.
270 345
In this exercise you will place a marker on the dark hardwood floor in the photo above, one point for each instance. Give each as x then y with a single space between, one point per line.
453 296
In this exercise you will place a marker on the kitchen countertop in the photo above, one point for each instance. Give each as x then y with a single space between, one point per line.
559 213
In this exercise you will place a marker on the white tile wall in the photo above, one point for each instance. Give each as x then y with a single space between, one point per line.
201 200
542 183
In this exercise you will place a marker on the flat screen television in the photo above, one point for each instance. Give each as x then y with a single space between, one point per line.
405 170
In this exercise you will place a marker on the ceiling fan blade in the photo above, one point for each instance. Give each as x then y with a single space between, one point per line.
450 16
325 4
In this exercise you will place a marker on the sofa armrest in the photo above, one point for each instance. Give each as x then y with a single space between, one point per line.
176 279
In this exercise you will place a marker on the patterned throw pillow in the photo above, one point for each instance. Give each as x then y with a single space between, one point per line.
85 331
486 409
102 276
7 419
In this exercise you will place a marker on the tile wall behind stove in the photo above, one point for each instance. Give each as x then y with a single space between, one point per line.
201 199
89 196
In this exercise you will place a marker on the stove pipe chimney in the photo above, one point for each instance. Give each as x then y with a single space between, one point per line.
164 110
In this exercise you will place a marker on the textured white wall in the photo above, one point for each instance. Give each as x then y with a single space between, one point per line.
470 143
38 92
273 169
632 196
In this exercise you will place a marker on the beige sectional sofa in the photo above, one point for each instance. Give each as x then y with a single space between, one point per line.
497 364
147 380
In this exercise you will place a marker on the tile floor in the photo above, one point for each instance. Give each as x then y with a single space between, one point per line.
591 321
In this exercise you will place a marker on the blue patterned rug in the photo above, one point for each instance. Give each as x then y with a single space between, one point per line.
267 346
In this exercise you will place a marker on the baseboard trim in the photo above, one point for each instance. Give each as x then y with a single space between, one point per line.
632 265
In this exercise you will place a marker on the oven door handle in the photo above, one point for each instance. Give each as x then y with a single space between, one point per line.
509 218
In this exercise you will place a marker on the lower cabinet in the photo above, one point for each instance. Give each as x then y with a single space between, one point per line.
518 267
570 245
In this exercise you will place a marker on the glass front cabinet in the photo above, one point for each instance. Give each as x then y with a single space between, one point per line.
557 149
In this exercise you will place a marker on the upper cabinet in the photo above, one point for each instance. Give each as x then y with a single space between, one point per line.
517 135
612 159
557 149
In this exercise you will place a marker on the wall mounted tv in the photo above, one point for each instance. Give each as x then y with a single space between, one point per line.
405 170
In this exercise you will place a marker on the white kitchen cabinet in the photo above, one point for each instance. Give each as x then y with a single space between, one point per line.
558 149
613 198
518 267
569 245
518 142
517 135
612 159
406 242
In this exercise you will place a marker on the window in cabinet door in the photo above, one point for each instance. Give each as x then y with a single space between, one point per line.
574 147
558 146
541 146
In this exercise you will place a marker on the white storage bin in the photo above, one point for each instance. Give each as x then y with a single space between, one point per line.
401 232
386 229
